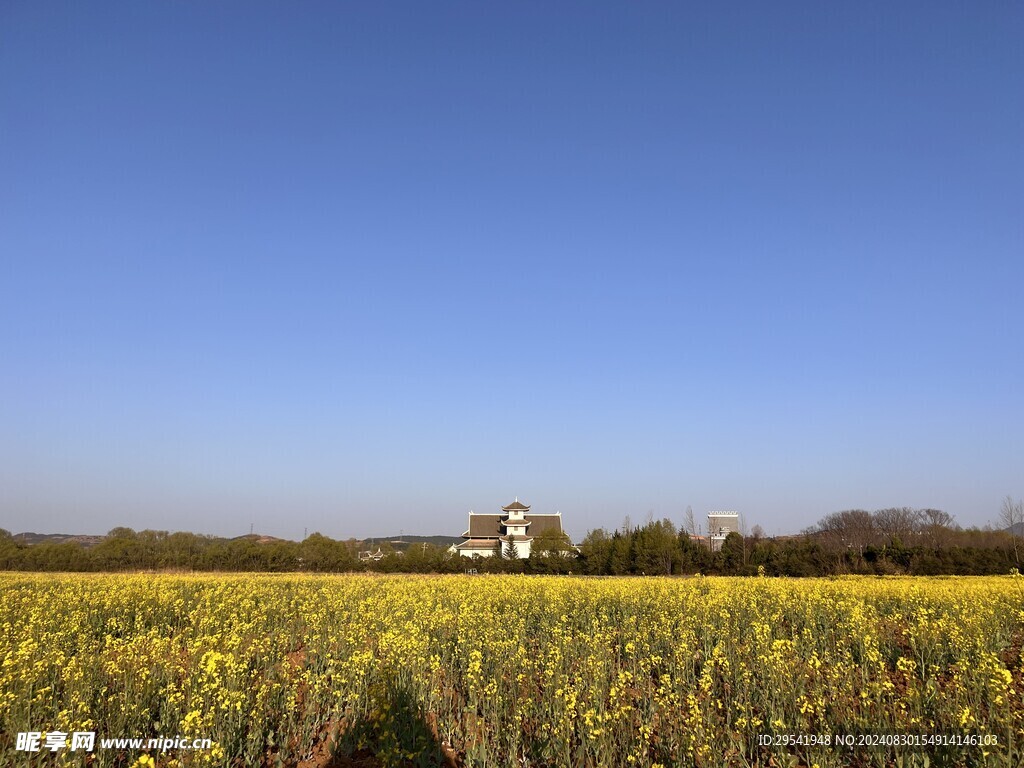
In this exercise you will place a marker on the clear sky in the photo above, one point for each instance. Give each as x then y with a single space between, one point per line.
361 267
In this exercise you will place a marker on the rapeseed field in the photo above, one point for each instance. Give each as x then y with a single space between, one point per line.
288 670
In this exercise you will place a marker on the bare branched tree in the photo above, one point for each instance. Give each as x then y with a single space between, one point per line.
937 527
850 530
690 522
1011 515
743 533
897 524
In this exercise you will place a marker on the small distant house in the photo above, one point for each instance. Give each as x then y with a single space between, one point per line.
368 556
516 526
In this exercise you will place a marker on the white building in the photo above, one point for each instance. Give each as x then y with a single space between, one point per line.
488 534
720 525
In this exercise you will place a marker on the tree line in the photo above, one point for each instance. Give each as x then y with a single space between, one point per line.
885 542
888 541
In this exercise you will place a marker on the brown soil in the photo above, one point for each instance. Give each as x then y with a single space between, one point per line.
360 759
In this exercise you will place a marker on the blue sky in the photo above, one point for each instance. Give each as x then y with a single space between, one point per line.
360 268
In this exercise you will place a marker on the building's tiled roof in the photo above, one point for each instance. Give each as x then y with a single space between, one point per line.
517 504
545 524
482 526
477 544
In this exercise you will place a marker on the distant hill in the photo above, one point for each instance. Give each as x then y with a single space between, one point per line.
397 542
57 538
402 542
259 538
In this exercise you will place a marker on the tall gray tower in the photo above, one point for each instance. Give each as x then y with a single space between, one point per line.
720 525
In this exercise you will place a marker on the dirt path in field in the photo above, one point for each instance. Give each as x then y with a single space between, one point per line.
363 758
405 715
323 756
